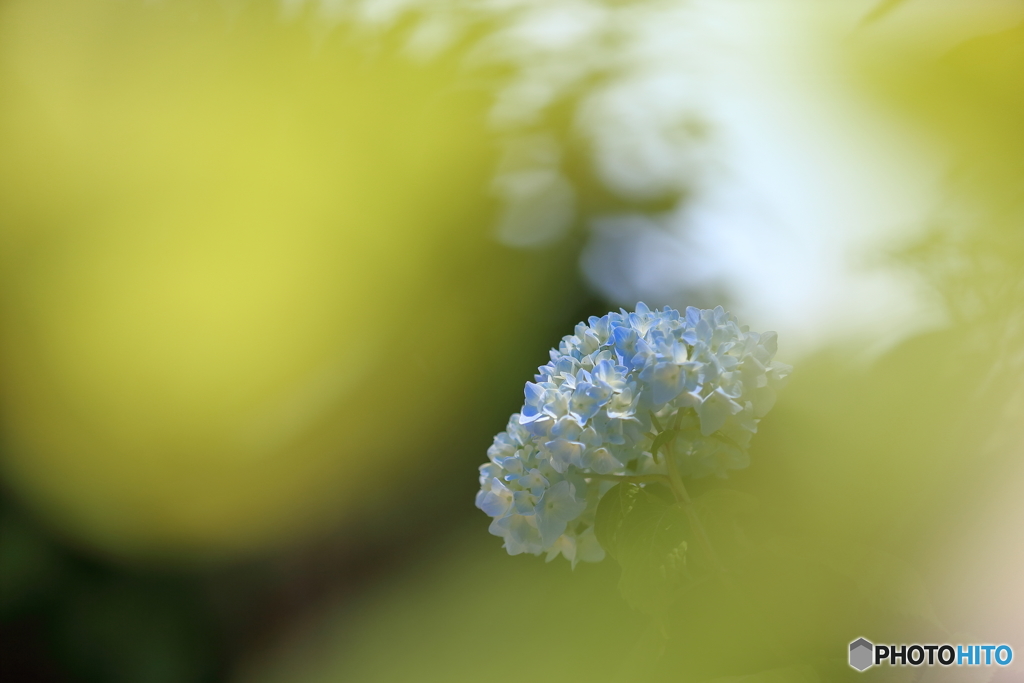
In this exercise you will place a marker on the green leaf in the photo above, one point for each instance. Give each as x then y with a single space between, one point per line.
620 510
660 440
648 536
611 514
653 557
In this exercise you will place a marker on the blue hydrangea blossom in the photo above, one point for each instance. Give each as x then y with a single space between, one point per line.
593 410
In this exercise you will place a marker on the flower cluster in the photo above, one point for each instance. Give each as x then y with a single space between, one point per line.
597 406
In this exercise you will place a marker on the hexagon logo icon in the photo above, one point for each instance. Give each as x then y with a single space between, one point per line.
861 654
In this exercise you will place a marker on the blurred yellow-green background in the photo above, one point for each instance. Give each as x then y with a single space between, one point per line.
272 274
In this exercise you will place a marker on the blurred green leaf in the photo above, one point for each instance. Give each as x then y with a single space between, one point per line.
28 564
653 559
127 631
619 511
648 537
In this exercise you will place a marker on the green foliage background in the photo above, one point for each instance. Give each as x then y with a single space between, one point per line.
877 503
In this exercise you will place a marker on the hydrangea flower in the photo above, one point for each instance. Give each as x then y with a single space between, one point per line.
595 409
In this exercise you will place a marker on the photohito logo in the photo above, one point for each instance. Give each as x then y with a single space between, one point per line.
864 654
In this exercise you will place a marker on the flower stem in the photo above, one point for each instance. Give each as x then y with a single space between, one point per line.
683 498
